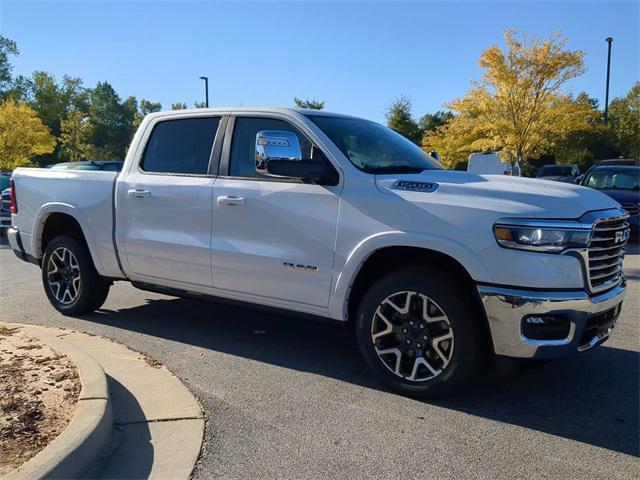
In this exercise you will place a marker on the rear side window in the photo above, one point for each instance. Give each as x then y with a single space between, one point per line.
180 146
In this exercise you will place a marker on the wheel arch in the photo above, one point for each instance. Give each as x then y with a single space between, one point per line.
57 219
386 258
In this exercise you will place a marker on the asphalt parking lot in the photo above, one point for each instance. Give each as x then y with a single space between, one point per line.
291 399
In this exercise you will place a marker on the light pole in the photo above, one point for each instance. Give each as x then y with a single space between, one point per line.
206 91
606 95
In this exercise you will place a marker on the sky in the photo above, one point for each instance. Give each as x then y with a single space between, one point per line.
357 56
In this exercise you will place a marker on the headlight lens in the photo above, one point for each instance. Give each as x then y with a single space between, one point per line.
540 239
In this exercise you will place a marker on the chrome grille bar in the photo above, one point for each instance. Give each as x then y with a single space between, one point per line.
606 252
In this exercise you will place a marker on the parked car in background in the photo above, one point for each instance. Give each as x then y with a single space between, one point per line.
5 210
559 173
608 162
5 178
489 163
105 165
622 183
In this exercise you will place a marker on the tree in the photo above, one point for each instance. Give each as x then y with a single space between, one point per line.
147 107
312 104
112 122
53 101
199 105
22 136
400 119
518 106
76 137
179 106
624 123
430 121
7 48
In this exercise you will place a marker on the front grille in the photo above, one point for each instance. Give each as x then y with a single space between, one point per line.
631 209
606 252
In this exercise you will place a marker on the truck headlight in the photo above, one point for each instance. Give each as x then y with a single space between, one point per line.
544 237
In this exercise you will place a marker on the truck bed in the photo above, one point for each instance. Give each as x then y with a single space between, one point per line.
86 195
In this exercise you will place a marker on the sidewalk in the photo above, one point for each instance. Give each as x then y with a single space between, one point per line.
158 425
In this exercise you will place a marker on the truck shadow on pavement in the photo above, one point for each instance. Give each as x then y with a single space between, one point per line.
591 398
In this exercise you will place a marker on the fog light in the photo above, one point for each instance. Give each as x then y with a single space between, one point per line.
545 327
536 320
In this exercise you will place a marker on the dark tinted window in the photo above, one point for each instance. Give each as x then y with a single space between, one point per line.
243 155
551 170
180 146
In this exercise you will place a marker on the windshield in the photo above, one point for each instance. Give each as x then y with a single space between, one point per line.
614 181
554 170
372 147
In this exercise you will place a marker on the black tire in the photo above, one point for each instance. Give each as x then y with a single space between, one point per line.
445 295
93 288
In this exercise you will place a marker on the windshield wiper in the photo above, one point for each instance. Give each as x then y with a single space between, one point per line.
394 169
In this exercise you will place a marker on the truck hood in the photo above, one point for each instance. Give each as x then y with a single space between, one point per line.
504 195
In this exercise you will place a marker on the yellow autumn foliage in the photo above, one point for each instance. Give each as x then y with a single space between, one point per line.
22 135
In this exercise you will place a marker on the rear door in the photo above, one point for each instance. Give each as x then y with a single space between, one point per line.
272 237
165 206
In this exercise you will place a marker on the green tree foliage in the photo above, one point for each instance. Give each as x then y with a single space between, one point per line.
431 121
400 119
179 106
199 105
624 123
7 48
53 100
312 104
147 107
112 122
76 137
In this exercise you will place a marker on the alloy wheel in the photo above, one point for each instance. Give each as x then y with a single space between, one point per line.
63 275
412 336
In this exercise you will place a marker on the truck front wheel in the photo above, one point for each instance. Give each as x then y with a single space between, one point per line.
70 279
418 332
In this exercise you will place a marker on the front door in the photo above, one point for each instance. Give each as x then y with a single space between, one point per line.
272 238
166 205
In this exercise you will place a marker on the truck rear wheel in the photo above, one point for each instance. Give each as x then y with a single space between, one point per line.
417 334
70 279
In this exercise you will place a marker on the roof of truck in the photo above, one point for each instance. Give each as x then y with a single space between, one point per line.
282 110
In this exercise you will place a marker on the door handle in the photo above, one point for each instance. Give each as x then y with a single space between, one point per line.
138 193
231 200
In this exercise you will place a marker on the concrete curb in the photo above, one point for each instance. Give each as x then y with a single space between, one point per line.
87 436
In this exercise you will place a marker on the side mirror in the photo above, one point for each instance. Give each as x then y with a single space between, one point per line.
278 154
276 145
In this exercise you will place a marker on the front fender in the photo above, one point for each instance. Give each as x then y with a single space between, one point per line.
363 250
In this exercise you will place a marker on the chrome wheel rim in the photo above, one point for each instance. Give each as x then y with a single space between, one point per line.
63 275
412 336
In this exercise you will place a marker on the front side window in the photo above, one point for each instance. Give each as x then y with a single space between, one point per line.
243 146
180 146
372 147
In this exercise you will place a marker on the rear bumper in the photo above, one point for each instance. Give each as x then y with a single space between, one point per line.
590 319
15 240
5 221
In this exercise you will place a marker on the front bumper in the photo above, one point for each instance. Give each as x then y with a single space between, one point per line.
590 319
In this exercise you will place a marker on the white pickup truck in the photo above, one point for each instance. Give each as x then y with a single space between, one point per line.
338 218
